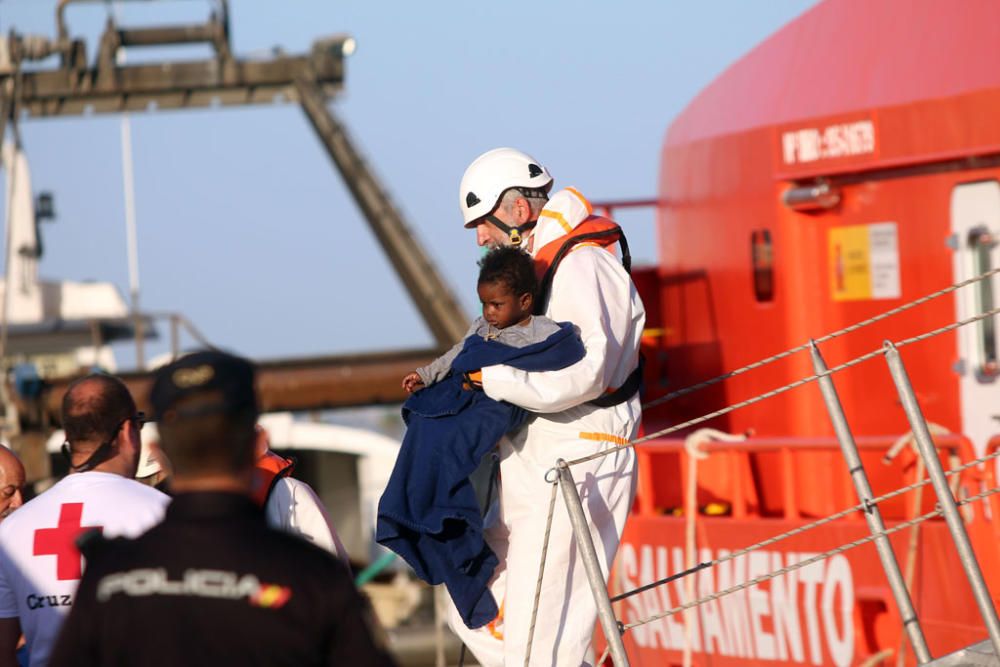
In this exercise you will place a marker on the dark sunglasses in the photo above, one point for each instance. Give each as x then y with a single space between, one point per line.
104 450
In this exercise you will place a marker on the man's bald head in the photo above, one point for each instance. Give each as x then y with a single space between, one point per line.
11 482
101 425
93 408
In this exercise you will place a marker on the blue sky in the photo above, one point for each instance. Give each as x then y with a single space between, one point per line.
244 224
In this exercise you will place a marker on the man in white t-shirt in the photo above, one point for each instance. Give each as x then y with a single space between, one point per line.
40 564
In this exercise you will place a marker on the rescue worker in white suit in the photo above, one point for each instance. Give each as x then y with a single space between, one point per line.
505 198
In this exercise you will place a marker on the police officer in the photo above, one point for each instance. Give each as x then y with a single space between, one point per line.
212 584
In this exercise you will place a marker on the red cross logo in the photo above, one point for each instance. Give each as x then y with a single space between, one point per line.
61 541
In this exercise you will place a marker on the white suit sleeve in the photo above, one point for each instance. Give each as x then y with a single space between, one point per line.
594 294
294 507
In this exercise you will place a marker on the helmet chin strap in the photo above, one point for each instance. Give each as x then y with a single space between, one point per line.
515 234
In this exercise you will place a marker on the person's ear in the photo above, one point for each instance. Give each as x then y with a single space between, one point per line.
130 433
523 210
526 301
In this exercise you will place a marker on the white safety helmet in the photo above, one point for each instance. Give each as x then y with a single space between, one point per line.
493 173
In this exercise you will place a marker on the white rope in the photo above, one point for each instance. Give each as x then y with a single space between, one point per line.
693 446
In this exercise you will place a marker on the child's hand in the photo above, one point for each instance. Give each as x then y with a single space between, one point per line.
412 382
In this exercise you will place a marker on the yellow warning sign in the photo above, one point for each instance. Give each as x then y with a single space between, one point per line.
864 262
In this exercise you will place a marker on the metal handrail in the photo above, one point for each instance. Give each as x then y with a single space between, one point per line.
222 6
740 451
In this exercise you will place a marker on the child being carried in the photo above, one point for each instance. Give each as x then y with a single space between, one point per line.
429 514
507 287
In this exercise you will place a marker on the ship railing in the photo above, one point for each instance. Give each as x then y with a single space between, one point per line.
561 478
762 477
143 326
179 322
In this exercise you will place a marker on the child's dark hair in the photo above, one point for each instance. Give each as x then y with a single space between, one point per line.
510 266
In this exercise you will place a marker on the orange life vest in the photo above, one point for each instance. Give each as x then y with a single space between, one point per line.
595 230
599 231
267 471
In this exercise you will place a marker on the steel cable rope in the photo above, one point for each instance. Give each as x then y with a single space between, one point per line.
541 573
781 390
822 339
809 561
802 529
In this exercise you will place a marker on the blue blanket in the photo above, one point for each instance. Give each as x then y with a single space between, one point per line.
429 514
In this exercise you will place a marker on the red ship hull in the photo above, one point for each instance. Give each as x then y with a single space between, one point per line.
850 164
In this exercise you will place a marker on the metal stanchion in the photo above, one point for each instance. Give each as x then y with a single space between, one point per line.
945 499
598 585
872 515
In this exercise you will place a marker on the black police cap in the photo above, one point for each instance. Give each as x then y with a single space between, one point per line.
202 372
